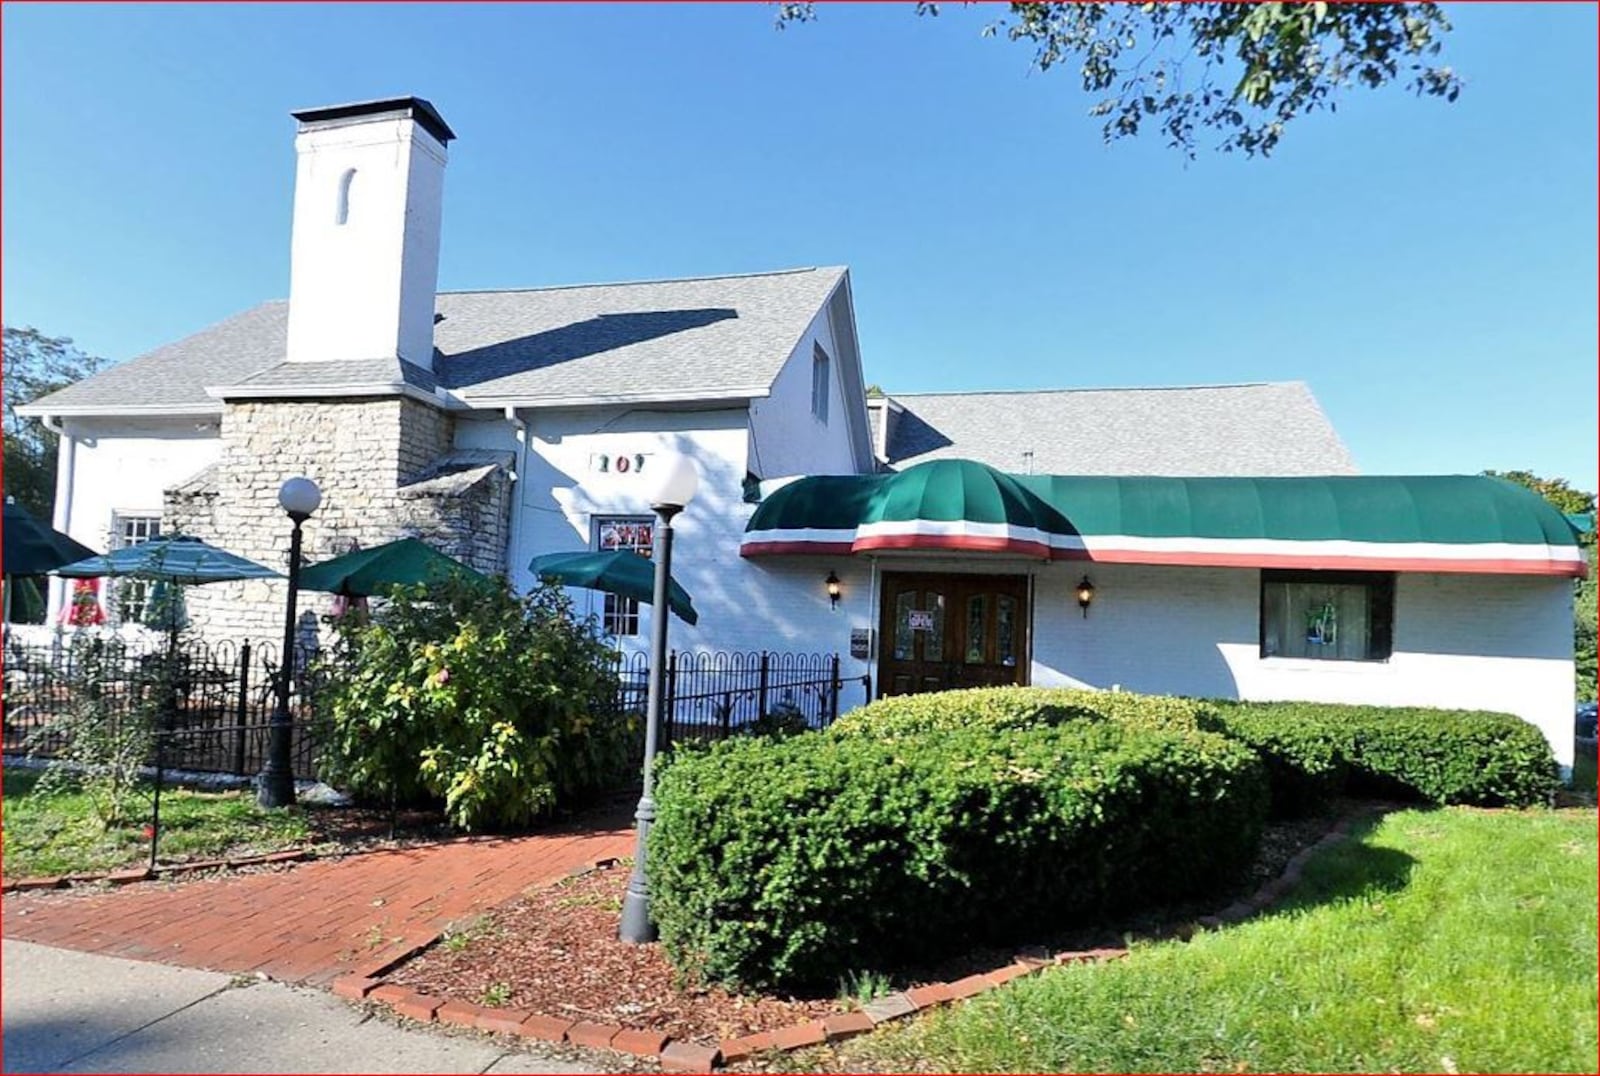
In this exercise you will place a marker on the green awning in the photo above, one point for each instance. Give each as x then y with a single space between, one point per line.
1450 523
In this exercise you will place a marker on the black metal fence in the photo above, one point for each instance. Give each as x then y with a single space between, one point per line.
216 707
710 695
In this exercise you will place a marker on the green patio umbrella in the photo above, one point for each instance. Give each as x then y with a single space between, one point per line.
617 571
406 562
175 558
31 548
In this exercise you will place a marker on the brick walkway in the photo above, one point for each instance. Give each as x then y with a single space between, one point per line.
316 920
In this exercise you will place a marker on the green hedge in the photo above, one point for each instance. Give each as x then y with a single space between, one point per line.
804 860
1315 750
1021 708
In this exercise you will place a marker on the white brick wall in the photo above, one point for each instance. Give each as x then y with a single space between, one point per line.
1462 641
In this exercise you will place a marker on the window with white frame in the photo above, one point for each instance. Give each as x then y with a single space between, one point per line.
128 599
635 534
820 381
1334 616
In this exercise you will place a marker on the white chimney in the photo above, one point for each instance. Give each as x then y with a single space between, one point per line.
364 256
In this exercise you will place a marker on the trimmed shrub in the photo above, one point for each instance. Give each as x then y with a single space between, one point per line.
1314 750
1306 763
801 860
1021 708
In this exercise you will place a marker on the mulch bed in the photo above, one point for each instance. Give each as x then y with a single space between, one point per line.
555 952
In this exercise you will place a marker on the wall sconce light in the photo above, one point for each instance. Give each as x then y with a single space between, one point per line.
832 583
1085 595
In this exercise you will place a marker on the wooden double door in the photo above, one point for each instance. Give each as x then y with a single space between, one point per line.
940 632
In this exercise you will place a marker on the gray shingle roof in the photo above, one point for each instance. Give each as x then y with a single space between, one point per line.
697 338
175 376
314 375
1254 429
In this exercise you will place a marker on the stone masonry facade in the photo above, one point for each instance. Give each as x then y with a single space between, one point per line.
378 462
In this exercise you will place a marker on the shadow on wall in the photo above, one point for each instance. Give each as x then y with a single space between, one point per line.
539 351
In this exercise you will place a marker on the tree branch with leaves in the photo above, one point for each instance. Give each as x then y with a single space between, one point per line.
1243 71
36 364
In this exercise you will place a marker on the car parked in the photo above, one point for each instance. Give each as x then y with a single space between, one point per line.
1584 724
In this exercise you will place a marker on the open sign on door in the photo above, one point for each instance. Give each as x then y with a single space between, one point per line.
921 619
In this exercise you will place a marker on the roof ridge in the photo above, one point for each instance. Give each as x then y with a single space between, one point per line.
640 283
1100 388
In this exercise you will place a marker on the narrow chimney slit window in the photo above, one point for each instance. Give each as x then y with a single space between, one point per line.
341 212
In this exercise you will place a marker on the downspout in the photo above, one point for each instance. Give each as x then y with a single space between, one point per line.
514 535
61 518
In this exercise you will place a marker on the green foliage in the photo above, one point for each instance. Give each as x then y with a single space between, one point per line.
1438 941
1586 667
1243 70
497 705
36 364
1305 766
1314 750
102 738
1558 491
810 859
1020 708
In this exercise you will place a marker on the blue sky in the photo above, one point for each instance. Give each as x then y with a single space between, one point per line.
1429 269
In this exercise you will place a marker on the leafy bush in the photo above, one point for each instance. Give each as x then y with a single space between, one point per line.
1021 708
500 706
1306 765
1445 756
805 859
103 737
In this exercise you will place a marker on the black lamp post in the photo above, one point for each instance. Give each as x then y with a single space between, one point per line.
672 493
299 498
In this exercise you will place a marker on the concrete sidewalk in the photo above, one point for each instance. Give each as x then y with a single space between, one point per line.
67 1011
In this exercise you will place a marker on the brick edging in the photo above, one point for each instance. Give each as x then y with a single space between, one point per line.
144 874
677 1056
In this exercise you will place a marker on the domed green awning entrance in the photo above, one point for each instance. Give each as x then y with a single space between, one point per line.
943 504
1449 523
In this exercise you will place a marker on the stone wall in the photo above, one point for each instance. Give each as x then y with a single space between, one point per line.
464 510
361 452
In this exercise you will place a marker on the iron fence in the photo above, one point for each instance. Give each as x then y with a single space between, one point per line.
710 695
216 706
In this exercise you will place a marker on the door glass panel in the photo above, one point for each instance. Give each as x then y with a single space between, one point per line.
904 637
1006 630
933 638
977 619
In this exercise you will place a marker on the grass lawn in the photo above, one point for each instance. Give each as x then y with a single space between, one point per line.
48 833
1441 941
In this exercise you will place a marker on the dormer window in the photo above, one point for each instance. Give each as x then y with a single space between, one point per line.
820 383
341 212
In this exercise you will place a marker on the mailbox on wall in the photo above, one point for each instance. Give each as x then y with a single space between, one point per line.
861 643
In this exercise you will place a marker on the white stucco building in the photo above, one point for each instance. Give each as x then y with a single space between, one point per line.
505 424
